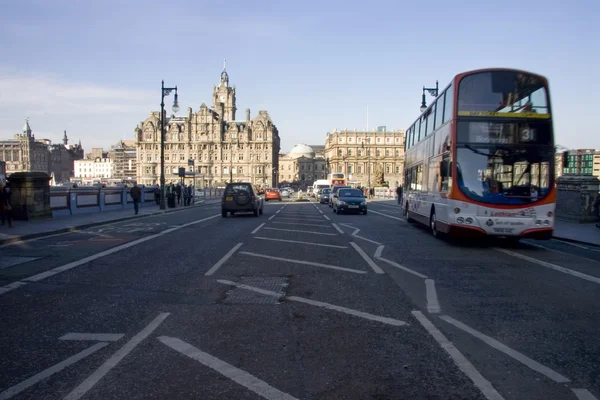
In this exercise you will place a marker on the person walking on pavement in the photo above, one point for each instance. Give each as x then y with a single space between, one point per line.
178 192
136 196
399 194
5 207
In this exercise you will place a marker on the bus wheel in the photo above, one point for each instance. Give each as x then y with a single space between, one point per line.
406 214
433 224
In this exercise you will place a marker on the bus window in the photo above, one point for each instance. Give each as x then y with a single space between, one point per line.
446 174
430 119
449 105
439 114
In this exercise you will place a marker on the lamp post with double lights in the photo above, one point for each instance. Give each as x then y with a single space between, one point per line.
163 93
432 91
368 149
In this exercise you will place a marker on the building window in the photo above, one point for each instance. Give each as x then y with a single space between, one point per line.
241 170
349 152
360 153
397 153
397 170
387 153
349 169
387 169
378 153
360 170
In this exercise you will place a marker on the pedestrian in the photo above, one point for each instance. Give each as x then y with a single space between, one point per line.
178 192
399 194
5 206
136 196
157 196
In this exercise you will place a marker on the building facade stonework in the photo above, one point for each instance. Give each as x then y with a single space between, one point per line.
221 148
367 157
25 153
301 166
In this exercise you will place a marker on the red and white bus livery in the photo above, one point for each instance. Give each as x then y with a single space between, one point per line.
480 158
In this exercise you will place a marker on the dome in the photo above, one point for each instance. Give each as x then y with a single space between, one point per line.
300 150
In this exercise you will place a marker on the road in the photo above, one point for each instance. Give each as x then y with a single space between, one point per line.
298 303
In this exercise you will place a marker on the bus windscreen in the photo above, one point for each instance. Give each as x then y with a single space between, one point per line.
503 94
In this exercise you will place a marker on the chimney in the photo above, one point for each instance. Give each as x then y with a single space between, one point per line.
247 114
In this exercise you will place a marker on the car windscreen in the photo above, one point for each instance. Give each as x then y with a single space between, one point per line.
350 193
231 189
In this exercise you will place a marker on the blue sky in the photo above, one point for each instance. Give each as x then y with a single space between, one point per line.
94 67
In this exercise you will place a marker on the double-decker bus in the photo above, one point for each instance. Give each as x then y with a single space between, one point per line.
480 159
337 179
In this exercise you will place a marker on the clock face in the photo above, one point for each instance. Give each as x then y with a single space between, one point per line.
222 98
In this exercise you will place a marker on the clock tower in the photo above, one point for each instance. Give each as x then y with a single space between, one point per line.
226 95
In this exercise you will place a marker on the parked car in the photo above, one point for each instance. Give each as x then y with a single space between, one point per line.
285 193
241 197
273 194
349 200
324 199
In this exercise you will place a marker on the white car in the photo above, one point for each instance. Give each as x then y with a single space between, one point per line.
285 193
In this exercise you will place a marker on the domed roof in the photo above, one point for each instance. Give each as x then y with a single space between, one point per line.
300 150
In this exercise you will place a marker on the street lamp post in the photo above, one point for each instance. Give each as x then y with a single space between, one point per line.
432 91
164 92
369 158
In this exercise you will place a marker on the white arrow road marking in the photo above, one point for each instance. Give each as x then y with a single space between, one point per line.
237 375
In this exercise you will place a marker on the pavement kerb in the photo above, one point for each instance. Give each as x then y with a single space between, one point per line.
565 239
100 223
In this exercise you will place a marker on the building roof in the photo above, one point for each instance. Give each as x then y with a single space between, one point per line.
300 150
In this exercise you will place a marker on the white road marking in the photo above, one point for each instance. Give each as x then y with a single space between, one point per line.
278 211
378 251
387 215
571 244
337 227
294 223
74 264
583 394
348 226
296 230
257 228
327 218
112 362
394 264
314 264
558 251
349 311
237 375
320 211
459 359
12 286
310 219
301 242
272 216
223 260
552 266
27 383
365 239
365 257
534 365
433 306
99 337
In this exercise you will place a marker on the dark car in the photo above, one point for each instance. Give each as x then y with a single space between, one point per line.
324 199
241 197
334 190
349 200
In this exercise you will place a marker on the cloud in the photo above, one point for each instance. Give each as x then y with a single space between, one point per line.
35 94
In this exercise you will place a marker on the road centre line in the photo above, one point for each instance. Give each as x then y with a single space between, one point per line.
327 218
296 230
561 252
523 359
583 394
257 228
112 362
299 224
571 244
29 382
387 215
74 264
223 260
460 360
394 264
237 375
99 337
337 227
272 216
301 242
378 251
349 311
433 306
551 266
314 264
368 259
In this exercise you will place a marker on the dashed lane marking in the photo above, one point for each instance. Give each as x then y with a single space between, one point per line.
300 231
302 262
349 311
583 394
433 306
378 251
387 215
302 242
300 224
368 259
257 228
223 260
337 228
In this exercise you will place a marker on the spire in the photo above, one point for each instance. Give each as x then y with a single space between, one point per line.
224 76
65 139
27 128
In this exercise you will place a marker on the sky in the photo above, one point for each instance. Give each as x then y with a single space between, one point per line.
94 68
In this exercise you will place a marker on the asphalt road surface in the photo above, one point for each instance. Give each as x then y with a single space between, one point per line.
298 303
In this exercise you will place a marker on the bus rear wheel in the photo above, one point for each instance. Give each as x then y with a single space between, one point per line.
433 225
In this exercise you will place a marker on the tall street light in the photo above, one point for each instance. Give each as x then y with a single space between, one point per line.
369 163
432 91
164 92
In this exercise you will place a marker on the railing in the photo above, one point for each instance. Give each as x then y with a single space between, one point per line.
65 200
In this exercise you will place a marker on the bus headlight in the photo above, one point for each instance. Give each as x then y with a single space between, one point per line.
546 222
469 220
460 220
538 222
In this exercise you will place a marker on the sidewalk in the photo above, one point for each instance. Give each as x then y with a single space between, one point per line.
563 230
36 228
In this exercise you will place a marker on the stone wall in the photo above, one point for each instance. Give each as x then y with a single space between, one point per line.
577 197
30 195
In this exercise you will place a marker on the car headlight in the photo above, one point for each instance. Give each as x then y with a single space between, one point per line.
364 203
342 203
